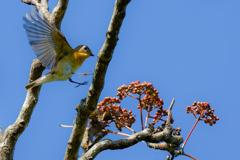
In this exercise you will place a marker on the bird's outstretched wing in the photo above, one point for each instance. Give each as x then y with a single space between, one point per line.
48 43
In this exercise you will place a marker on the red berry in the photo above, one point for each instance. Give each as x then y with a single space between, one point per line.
149 84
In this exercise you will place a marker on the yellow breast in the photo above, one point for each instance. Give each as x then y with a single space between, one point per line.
77 59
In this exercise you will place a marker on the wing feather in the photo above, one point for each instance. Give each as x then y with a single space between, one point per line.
48 43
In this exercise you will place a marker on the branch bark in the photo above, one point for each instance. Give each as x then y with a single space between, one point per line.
104 57
57 14
118 144
9 138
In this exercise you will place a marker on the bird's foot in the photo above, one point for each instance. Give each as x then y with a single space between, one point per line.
83 74
84 83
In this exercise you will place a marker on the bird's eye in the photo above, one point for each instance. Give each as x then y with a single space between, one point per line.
85 48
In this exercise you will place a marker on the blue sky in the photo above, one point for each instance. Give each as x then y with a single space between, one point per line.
188 49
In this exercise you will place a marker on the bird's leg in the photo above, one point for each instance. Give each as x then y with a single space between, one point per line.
83 74
79 84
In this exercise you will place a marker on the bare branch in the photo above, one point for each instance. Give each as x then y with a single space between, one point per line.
12 133
170 113
118 144
104 57
30 2
45 4
58 13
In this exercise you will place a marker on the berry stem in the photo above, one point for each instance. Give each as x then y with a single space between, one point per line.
132 96
109 131
199 118
189 156
147 119
127 127
130 129
139 99
190 132
141 116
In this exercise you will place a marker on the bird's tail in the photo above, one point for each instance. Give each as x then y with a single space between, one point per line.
44 79
30 85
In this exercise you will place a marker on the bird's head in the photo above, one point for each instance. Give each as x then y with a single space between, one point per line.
83 51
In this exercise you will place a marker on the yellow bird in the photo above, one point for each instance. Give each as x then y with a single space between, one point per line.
53 50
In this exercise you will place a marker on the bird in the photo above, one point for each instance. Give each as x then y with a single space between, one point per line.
53 50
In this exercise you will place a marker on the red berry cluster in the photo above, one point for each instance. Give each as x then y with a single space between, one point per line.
110 109
140 89
121 117
150 100
204 111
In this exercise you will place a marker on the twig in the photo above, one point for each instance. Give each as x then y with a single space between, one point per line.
132 96
189 156
190 133
146 122
139 99
126 126
170 113
192 129
66 126
118 133
130 129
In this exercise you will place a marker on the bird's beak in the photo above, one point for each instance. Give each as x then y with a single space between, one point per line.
91 54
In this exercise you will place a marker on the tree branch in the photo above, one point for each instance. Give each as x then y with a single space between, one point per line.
12 133
39 5
30 2
45 4
168 123
59 12
118 144
104 57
